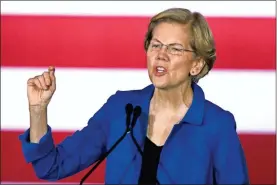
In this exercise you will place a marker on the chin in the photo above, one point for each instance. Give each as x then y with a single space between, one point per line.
160 84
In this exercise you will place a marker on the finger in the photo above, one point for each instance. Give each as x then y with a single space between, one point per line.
31 82
37 83
51 71
47 79
42 82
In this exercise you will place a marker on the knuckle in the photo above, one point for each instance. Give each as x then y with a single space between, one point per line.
40 78
37 77
30 81
45 73
36 81
47 78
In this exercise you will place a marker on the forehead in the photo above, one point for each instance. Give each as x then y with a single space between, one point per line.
172 33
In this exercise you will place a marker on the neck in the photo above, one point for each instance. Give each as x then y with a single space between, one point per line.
174 98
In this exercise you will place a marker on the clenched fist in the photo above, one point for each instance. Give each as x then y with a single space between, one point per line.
40 89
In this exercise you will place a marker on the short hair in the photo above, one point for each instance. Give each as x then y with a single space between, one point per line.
201 38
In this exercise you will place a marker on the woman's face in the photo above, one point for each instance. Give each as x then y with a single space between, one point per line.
170 66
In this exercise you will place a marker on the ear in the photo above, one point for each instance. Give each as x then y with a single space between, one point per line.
197 66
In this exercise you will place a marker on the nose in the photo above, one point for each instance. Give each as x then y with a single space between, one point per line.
162 54
164 49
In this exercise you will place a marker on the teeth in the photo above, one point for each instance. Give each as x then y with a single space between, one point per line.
160 69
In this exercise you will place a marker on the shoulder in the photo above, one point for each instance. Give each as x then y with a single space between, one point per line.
125 96
115 104
212 115
121 98
219 125
217 118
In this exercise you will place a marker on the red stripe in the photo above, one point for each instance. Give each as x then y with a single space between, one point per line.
259 150
242 43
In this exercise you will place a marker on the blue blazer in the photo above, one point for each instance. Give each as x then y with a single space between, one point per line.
204 147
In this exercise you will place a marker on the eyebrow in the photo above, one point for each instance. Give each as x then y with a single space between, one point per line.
154 39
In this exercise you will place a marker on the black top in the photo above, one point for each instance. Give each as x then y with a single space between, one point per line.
150 161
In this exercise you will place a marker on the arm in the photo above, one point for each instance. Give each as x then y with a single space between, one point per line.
229 159
38 122
72 155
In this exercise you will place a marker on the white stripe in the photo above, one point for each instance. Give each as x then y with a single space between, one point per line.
140 8
249 95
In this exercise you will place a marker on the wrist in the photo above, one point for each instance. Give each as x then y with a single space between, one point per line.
37 108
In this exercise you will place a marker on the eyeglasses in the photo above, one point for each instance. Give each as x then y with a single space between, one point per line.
174 49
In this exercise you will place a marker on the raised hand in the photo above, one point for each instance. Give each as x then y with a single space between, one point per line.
40 89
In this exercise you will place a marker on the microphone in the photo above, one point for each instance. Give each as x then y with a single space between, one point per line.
129 110
137 112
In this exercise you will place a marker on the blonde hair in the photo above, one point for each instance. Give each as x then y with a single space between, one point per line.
201 40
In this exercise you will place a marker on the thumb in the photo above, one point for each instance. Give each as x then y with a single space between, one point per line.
51 70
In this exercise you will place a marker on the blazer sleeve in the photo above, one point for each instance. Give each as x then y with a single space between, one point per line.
229 159
74 153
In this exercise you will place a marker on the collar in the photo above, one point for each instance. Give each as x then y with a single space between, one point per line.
194 114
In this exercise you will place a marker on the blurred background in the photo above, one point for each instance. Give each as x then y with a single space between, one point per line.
97 48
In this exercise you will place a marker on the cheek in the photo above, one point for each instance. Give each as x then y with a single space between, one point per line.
178 65
150 60
180 68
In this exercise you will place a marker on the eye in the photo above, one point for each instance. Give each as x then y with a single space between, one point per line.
176 49
156 45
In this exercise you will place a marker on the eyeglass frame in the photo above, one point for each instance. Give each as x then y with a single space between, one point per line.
169 47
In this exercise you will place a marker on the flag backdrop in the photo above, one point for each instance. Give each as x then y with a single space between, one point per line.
97 48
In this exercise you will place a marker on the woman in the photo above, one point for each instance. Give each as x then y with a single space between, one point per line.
185 139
